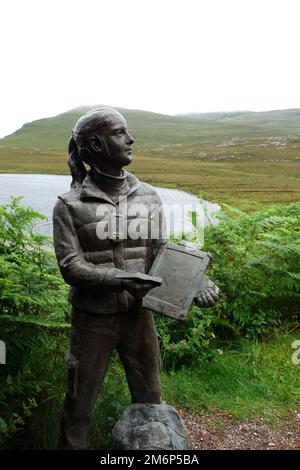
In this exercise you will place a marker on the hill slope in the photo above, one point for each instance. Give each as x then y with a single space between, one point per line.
152 130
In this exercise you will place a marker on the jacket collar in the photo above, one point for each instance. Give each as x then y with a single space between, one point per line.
89 189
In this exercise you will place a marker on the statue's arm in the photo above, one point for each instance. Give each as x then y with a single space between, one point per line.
75 270
208 293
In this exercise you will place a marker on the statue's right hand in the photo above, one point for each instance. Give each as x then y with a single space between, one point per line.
137 289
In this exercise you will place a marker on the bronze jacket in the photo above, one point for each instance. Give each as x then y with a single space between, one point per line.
95 238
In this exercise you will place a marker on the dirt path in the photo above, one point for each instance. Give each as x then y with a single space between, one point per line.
221 431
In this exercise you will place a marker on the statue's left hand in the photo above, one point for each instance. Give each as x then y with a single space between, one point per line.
210 295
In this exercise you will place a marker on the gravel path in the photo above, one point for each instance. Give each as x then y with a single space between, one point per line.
222 431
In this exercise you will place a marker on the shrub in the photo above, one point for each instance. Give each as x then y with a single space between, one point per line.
33 310
256 264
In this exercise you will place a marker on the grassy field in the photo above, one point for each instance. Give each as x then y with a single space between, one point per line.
249 378
242 175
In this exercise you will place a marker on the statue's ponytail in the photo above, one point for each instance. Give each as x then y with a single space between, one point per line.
77 168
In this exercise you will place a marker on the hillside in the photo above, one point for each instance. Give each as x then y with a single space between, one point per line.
241 158
153 130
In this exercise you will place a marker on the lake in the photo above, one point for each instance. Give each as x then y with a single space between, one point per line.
40 193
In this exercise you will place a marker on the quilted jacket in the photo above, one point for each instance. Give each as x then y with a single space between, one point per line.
95 238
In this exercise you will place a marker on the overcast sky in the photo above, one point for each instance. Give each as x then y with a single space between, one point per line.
168 56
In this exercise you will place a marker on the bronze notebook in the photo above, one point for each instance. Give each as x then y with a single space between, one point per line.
182 269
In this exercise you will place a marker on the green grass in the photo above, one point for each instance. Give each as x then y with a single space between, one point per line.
244 182
250 379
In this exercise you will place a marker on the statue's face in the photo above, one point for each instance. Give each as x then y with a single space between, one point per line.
118 141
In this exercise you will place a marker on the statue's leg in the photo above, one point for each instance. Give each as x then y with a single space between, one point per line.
138 349
92 341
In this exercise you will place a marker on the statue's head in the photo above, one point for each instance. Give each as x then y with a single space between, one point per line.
101 139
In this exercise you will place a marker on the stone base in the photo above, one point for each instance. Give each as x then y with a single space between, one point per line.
149 427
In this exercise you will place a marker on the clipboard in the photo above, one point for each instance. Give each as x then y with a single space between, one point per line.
182 269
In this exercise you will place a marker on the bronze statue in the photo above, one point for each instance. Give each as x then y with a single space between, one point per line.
107 310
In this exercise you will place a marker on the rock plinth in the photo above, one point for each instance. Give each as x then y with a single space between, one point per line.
149 427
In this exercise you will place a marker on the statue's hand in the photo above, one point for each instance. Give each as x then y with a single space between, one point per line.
137 289
209 297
